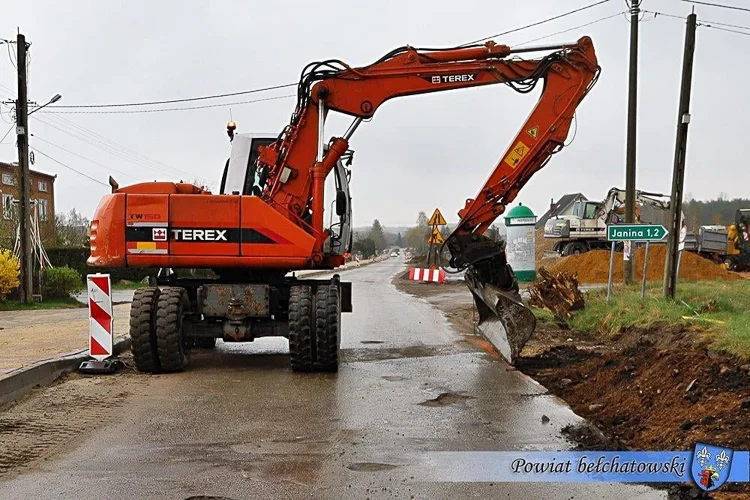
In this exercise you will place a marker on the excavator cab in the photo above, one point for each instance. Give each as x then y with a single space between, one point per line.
241 175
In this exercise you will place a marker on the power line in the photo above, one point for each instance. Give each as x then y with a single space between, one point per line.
6 133
536 23
724 29
36 137
722 6
174 101
701 23
110 146
69 167
109 149
570 29
132 111
107 145
708 24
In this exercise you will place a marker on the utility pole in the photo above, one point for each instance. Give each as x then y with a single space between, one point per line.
678 177
24 178
629 268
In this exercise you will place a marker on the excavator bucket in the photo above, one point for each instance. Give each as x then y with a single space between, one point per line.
503 318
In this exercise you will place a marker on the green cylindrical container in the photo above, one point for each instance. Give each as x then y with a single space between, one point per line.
521 242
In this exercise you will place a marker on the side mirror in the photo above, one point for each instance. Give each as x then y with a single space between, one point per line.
340 203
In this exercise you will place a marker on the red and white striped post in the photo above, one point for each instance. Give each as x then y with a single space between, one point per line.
101 322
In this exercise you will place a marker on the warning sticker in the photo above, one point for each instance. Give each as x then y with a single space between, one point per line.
516 154
533 132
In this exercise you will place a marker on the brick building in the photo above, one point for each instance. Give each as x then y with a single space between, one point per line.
42 191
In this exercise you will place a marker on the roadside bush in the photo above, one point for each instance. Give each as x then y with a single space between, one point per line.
60 282
9 272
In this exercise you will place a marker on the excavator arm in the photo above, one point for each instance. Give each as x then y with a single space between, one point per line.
296 165
294 168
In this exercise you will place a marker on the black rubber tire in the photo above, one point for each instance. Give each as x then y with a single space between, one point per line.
568 249
580 247
143 330
301 331
327 327
205 342
174 355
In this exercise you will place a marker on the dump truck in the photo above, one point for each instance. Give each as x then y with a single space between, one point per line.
727 245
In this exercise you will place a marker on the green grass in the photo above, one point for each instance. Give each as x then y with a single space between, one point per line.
544 318
15 305
720 309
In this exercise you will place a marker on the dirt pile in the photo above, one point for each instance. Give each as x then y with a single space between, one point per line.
654 389
593 266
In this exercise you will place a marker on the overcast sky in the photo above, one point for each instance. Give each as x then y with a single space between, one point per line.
418 152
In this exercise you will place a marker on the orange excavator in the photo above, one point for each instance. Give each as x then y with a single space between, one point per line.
225 258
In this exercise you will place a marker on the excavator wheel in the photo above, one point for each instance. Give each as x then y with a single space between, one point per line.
143 330
174 354
328 327
301 328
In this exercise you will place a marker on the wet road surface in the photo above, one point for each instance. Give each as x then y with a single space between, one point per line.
240 424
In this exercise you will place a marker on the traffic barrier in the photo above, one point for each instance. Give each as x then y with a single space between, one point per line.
427 275
101 321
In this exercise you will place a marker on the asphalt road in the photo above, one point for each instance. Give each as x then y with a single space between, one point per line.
240 424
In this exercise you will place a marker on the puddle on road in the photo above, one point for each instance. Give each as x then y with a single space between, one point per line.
372 341
370 467
445 399
394 378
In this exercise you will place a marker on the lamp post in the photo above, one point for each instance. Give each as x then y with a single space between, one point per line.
54 99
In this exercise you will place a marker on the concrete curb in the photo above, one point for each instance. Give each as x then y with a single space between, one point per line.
23 380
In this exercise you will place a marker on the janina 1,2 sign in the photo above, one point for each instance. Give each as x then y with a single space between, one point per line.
636 232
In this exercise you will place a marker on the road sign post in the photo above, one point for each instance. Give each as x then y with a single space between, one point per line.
435 239
633 232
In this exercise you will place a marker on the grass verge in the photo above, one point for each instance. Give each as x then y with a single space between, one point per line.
15 305
719 309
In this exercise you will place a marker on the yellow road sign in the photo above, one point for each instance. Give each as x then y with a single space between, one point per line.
435 238
437 219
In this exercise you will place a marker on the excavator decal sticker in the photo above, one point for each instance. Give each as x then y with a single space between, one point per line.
516 154
146 237
451 78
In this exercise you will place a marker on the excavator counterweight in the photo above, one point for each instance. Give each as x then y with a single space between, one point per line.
268 218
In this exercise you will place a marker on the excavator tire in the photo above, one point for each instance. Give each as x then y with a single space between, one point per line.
301 331
328 327
170 343
142 330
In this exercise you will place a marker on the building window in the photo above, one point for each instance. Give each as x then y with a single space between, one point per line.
8 179
43 186
43 212
7 206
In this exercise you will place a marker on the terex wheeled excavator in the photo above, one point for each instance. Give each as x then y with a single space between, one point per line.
268 219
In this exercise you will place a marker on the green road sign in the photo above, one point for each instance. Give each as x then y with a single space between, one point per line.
636 232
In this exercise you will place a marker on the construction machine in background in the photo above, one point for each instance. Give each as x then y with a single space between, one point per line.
586 228
727 245
268 218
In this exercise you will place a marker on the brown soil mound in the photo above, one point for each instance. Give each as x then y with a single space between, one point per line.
593 267
658 389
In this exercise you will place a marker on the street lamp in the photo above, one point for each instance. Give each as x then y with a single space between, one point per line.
56 98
